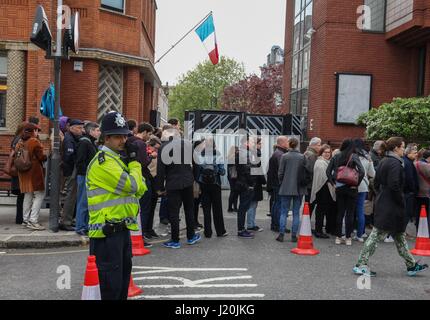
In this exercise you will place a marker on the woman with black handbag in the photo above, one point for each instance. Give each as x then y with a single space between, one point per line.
345 172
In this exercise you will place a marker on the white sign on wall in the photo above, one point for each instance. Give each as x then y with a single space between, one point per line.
353 96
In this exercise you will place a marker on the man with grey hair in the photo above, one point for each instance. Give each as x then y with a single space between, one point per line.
376 153
311 156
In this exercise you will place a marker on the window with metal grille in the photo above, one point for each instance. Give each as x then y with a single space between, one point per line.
110 90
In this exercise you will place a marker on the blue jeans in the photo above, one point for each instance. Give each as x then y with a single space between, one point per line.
285 207
276 210
361 198
81 205
250 214
244 204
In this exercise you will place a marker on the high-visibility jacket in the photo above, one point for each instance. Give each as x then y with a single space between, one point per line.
113 191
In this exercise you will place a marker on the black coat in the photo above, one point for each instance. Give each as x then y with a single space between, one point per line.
86 151
70 145
272 173
411 177
245 179
335 163
390 202
176 175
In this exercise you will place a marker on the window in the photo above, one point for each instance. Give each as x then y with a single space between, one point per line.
110 90
422 53
3 87
377 15
301 57
116 5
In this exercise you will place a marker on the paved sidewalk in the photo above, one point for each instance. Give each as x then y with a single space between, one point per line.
13 236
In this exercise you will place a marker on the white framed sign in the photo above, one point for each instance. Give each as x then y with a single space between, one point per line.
353 96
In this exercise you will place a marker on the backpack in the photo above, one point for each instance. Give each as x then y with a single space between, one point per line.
208 174
22 160
9 167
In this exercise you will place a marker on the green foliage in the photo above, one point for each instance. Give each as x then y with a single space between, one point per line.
404 117
202 87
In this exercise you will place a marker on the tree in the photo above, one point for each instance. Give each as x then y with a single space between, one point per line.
404 117
255 94
202 87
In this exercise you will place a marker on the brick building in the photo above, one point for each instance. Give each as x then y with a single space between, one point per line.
114 69
341 59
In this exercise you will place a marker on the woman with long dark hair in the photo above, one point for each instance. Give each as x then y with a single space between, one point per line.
346 193
389 209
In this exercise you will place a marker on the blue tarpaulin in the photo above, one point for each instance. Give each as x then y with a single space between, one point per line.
47 105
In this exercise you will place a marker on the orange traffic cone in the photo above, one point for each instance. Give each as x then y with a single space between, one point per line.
422 244
91 290
305 245
133 290
137 244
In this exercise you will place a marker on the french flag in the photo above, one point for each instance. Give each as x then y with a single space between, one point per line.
206 33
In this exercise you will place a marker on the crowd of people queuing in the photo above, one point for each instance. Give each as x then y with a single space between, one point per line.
390 180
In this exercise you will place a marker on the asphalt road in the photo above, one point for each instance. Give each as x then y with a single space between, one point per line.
223 268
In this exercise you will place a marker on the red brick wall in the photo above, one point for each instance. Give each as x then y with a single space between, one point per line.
338 46
79 90
131 93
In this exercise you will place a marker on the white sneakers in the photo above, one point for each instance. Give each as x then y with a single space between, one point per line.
389 239
348 241
359 239
35 226
338 240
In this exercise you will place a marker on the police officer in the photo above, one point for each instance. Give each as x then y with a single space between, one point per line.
114 187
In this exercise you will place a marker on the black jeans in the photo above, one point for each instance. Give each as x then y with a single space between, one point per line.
113 259
196 209
175 198
308 200
145 208
211 201
234 195
346 199
19 208
327 210
244 204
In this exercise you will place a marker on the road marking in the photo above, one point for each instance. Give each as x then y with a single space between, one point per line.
167 269
45 253
187 283
2 252
200 296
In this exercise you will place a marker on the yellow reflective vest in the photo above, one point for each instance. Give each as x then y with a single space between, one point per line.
113 191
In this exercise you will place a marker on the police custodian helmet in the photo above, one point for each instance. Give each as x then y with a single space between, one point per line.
114 123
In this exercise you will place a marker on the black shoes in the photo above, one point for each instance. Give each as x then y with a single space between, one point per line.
321 235
280 238
66 228
293 238
165 221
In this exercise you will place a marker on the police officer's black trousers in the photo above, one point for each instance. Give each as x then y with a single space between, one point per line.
113 259
175 199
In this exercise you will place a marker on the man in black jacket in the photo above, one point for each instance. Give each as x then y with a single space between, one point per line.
246 182
273 180
71 139
86 151
175 177
144 131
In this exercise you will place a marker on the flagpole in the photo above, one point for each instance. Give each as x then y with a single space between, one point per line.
192 29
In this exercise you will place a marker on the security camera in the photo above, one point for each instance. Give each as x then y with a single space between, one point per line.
309 34
41 34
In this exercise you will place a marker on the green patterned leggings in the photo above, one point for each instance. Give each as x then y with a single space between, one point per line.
379 235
